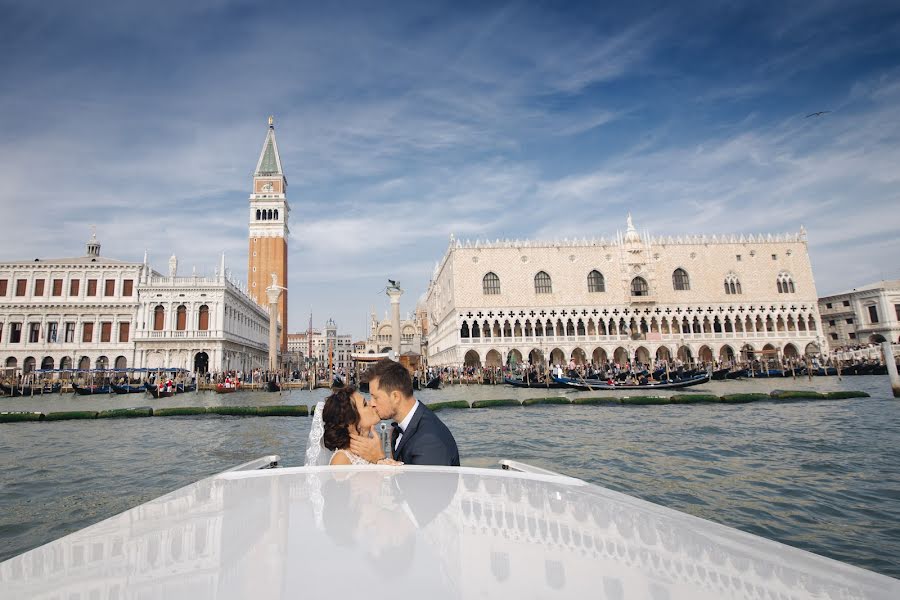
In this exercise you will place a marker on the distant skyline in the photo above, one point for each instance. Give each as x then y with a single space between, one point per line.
403 122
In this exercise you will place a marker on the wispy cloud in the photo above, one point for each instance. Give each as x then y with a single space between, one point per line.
398 127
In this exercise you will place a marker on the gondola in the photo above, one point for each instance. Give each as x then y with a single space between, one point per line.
553 385
127 389
584 385
273 386
737 374
91 390
30 390
720 374
158 393
221 389
186 387
434 383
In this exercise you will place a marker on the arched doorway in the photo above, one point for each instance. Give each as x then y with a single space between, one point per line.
726 353
557 357
514 358
121 362
65 363
811 349
599 356
11 362
536 357
642 355
705 354
662 353
876 338
28 365
579 356
747 352
472 359
790 351
620 355
84 364
47 363
102 362
493 359
201 362
685 355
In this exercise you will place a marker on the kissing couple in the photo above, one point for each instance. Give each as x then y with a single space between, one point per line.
343 428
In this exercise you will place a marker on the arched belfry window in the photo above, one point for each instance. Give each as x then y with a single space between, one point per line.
732 284
596 282
490 284
785 283
639 287
270 214
680 280
542 283
276 214
258 214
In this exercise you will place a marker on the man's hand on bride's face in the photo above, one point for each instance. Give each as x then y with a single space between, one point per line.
366 447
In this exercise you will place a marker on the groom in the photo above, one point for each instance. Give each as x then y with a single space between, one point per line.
418 437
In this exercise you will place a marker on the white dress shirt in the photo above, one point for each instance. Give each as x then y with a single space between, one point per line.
405 423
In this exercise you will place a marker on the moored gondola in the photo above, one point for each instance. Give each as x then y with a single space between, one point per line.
273 386
30 390
90 390
221 388
737 374
585 385
534 384
720 374
127 389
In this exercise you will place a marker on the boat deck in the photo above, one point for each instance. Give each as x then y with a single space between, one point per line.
434 532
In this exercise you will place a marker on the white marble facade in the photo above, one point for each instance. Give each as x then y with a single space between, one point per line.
700 298
869 314
96 312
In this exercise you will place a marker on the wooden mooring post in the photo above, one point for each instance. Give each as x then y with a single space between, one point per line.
891 365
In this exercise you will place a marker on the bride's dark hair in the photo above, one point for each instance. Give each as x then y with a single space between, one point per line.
338 414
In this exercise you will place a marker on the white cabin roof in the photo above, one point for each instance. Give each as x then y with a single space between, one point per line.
409 532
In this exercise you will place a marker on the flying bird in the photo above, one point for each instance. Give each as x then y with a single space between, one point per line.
817 114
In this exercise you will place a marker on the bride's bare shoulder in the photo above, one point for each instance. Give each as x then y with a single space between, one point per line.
340 458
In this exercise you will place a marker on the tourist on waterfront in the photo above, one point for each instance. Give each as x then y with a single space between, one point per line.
419 437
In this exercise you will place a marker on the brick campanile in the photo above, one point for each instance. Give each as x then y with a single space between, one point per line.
269 231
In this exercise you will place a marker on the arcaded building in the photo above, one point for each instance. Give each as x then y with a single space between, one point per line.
697 298
869 314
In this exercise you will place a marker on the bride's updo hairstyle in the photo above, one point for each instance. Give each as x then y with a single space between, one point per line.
338 415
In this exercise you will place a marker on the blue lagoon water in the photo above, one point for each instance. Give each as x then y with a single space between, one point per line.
823 476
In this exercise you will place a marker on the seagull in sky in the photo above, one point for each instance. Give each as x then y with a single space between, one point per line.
817 114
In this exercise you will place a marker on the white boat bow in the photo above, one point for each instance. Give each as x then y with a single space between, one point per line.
408 532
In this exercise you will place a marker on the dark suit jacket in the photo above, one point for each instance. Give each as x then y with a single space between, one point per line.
427 441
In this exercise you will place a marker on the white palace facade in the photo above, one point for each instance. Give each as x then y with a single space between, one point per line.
699 298
92 312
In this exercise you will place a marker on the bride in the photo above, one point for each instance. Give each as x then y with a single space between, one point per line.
344 412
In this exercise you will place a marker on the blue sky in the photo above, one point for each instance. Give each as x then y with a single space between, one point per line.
401 123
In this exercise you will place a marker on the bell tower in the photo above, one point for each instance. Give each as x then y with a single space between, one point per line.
269 231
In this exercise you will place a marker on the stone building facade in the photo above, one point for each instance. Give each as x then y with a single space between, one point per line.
92 312
324 344
380 334
699 298
868 314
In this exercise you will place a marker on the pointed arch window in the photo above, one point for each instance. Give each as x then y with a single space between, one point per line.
785 283
596 283
639 287
490 284
542 283
680 280
732 284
